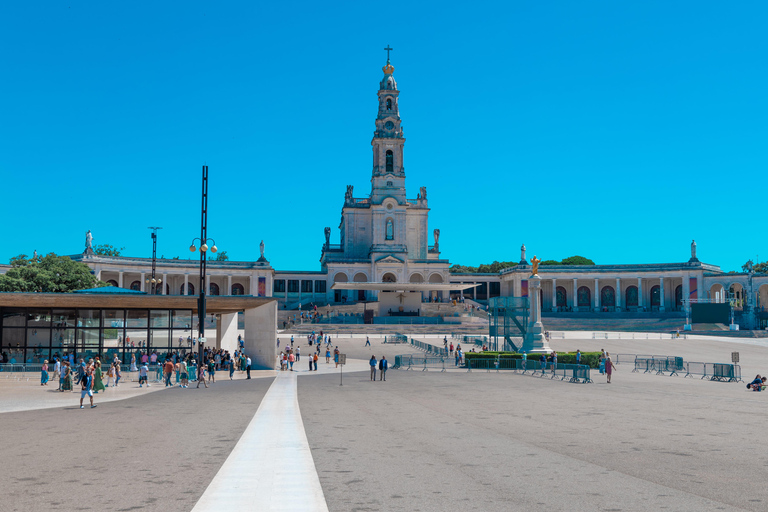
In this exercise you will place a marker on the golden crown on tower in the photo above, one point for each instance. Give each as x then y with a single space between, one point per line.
388 69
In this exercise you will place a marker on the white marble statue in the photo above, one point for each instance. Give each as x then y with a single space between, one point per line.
88 240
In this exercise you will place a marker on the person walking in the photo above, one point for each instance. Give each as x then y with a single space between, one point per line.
554 362
183 374
231 368
143 373
44 374
383 365
372 362
609 366
98 384
327 355
367 342
86 386
118 374
201 375
133 363
314 360
310 362
57 372
248 366
336 356
291 359
298 354
110 375
578 356
167 372
211 370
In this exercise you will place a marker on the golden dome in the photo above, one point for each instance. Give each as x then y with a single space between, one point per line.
388 69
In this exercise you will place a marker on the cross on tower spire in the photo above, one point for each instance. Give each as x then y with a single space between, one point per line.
388 49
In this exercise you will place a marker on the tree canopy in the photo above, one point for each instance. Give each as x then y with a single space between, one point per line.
107 250
48 274
760 268
498 266
221 256
485 268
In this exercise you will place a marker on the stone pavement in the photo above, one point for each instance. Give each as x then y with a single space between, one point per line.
420 441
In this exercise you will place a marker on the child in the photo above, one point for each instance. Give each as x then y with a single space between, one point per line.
143 372
201 375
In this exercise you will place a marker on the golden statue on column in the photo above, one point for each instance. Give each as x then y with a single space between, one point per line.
535 264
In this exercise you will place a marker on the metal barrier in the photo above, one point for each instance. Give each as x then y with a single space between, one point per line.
396 338
429 349
659 364
419 362
570 372
639 335
721 372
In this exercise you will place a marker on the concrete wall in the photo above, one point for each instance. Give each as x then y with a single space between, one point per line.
226 332
261 336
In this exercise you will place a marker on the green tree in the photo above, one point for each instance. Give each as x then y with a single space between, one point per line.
107 250
550 262
221 256
577 260
48 274
760 268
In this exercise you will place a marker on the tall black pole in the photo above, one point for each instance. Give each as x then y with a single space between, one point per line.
203 241
154 260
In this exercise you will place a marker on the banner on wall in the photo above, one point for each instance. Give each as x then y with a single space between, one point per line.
262 287
694 293
524 288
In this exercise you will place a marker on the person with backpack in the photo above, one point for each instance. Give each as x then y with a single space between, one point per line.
383 365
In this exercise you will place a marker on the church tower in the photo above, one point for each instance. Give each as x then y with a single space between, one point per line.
388 178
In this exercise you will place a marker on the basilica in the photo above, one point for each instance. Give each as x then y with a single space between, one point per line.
384 237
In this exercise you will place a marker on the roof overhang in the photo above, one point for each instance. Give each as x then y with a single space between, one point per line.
213 304
402 287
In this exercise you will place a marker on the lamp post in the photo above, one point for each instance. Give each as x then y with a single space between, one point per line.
203 250
151 280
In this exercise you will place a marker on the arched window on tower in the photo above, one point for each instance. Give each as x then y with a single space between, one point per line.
389 104
390 161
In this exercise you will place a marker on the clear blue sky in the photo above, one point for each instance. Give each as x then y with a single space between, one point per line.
614 130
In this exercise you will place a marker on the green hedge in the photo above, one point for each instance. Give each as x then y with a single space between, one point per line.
592 359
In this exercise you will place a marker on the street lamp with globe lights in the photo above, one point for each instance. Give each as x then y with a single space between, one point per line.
204 248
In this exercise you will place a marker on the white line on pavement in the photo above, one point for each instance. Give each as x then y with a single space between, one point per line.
271 467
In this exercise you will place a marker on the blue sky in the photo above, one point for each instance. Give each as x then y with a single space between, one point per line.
614 130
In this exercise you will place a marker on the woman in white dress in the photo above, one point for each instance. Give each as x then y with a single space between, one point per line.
133 363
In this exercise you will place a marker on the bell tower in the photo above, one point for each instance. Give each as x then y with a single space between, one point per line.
388 178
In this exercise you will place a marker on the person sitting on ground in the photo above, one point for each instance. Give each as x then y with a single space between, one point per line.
757 384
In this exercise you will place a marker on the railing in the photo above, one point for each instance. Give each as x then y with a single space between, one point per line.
396 338
420 362
638 335
570 372
674 365
429 349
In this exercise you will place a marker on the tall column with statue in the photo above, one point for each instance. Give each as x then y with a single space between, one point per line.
534 341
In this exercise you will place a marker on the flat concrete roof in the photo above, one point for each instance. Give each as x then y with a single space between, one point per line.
213 304
402 287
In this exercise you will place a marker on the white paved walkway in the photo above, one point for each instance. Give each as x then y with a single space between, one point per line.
271 468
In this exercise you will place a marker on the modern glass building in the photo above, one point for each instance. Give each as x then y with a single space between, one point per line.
39 326
32 335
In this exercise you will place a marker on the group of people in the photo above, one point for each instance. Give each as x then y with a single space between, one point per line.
69 376
457 353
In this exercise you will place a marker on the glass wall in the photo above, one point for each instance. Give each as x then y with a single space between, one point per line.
32 335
